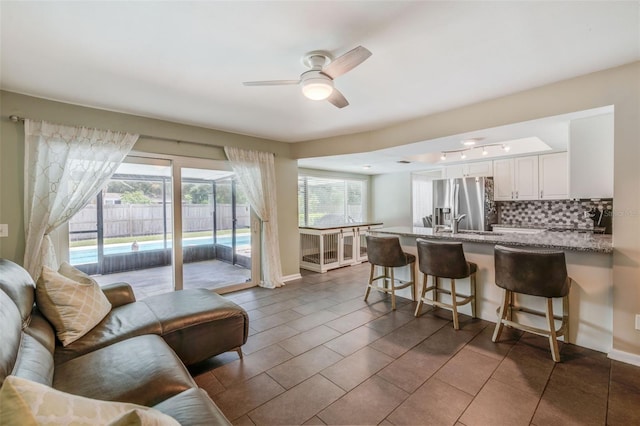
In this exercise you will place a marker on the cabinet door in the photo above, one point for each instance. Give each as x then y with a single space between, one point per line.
479 169
526 178
554 176
454 171
503 180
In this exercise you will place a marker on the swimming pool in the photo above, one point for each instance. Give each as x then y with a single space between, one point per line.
89 254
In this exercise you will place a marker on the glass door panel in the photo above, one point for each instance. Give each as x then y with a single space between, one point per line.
126 233
216 230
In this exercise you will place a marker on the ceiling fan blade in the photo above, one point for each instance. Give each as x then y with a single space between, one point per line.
346 62
338 99
271 82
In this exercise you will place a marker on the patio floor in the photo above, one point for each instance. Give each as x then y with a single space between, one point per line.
211 274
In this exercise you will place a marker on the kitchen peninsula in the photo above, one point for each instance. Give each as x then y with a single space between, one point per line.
589 264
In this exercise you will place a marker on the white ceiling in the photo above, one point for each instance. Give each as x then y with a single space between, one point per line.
185 61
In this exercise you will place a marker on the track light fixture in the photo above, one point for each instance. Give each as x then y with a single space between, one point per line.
463 151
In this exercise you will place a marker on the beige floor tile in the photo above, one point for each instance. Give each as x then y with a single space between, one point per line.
439 402
353 340
313 320
251 365
499 404
308 339
356 368
298 404
245 396
300 368
350 321
405 337
274 320
367 404
467 370
267 338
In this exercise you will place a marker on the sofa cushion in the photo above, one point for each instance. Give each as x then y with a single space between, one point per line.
28 403
193 407
10 334
34 361
73 307
141 370
16 282
123 322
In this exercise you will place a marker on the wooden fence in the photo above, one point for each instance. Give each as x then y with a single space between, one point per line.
129 220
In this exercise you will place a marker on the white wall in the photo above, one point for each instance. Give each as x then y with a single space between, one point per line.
391 199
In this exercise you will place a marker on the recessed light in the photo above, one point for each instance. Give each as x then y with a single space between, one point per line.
484 151
366 167
463 155
471 141
443 157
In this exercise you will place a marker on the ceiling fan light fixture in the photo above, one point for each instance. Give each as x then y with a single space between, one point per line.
317 88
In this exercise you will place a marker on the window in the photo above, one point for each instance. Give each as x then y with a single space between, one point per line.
422 197
327 201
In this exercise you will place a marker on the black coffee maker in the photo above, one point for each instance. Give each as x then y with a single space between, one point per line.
601 216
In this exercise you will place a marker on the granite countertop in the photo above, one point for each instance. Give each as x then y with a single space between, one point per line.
558 240
345 225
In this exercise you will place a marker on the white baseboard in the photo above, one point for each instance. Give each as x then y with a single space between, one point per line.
291 277
625 357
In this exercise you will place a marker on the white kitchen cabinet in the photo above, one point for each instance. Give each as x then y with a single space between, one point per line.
323 249
474 169
554 176
516 178
591 157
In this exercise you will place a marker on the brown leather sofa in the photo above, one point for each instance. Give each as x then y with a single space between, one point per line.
137 354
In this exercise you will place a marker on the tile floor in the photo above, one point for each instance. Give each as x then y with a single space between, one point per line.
318 354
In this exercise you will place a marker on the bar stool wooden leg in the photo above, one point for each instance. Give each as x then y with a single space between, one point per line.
565 318
502 317
393 291
423 292
472 284
553 340
454 305
436 286
366 293
414 289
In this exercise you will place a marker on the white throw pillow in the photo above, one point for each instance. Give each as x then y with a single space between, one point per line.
73 305
26 403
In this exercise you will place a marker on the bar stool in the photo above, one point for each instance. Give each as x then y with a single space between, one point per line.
444 259
387 253
535 273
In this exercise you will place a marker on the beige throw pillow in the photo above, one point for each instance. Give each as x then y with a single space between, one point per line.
26 403
73 305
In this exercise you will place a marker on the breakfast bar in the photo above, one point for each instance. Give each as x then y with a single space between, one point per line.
589 264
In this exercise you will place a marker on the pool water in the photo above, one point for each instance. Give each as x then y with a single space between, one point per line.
89 254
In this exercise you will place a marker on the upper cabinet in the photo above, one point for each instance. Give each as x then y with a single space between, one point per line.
516 178
536 177
475 169
591 157
553 176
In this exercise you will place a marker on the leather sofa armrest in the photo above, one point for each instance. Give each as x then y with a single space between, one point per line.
119 294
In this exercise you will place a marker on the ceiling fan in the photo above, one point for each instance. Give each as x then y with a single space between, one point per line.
317 83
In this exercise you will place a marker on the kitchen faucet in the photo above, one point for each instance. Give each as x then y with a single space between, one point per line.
455 222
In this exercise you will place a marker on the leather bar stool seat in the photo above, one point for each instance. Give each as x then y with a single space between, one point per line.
387 253
534 273
445 259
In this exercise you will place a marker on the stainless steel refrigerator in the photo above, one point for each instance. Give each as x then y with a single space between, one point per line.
472 197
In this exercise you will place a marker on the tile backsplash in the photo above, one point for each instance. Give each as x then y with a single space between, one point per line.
562 213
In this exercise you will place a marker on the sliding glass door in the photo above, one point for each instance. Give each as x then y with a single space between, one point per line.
127 233
216 230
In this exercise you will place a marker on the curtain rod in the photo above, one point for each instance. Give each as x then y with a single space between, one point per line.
16 118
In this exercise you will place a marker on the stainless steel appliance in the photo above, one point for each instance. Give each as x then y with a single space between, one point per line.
464 203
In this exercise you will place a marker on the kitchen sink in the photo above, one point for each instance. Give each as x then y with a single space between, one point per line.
472 232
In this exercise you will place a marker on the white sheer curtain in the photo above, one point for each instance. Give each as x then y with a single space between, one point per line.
65 167
256 173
